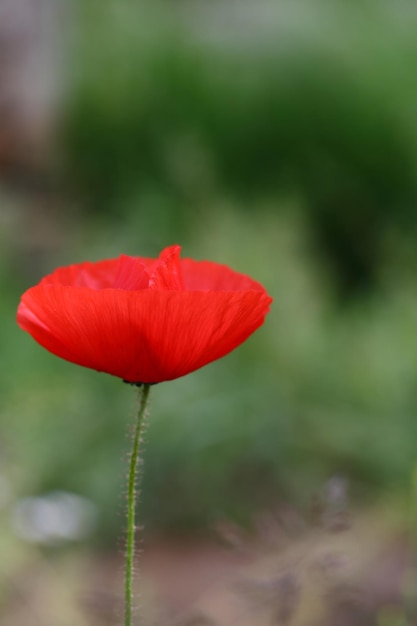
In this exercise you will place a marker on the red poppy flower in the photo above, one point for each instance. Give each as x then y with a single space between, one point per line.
143 320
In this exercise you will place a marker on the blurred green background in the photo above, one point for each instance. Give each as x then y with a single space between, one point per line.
279 138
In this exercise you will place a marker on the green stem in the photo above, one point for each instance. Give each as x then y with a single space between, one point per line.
131 504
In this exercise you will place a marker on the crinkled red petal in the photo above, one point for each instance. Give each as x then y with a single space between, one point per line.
149 335
205 275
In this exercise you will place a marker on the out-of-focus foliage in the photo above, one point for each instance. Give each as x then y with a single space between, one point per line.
312 99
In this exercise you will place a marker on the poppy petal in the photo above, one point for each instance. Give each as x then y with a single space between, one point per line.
147 336
130 274
166 273
100 275
205 275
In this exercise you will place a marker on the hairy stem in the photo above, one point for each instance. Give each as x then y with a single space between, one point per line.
131 504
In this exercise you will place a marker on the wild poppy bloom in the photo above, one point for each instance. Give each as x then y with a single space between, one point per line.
143 320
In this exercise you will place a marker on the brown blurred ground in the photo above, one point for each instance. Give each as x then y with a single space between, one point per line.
300 575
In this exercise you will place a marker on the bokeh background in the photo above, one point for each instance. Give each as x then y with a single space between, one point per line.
279 138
